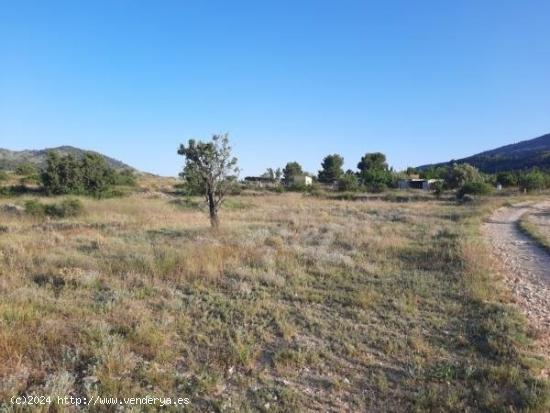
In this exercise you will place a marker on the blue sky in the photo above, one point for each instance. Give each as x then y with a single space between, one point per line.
421 81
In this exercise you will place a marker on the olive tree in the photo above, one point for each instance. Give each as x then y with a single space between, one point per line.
211 165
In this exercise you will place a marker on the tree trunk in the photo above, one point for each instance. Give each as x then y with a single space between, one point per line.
214 221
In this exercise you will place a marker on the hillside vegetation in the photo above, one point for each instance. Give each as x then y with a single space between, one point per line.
295 304
11 160
532 153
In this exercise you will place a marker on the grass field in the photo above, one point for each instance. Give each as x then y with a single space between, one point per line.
296 304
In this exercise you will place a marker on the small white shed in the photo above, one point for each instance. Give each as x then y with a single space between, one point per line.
303 180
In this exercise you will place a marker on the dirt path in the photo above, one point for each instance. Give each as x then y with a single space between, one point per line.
525 265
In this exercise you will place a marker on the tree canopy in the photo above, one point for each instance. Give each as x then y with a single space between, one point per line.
374 172
291 170
211 168
331 169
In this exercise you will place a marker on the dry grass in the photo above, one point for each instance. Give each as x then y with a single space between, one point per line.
537 225
296 304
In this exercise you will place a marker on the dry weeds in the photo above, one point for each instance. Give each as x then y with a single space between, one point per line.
297 303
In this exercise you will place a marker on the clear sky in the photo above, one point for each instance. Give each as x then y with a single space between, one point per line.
421 81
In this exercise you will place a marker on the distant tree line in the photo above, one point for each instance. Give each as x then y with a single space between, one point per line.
457 174
374 175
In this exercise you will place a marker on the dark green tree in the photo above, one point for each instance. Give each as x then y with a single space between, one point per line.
90 175
213 167
97 177
291 170
331 169
62 175
372 161
507 179
192 180
374 172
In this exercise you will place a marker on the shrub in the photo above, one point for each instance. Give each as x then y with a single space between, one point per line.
377 186
474 188
26 169
125 177
438 187
35 208
298 187
507 179
348 183
458 175
62 175
15 190
67 208
90 175
376 180
64 209
3 176
531 181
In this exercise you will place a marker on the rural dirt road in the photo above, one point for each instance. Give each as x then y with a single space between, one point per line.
525 265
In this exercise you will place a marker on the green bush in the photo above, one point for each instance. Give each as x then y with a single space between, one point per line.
35 208
67 208
507 179
3 176
474 188
26 169
458 175
64 209
90 175
297 188
531 181
438 187
348 183
125 177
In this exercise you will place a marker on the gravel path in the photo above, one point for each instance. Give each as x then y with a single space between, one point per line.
525 265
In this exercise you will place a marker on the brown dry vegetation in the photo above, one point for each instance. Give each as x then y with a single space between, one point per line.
297 304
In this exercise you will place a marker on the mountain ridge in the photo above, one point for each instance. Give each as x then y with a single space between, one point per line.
521 155
10 160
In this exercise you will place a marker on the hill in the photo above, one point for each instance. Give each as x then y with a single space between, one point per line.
522 155
9 160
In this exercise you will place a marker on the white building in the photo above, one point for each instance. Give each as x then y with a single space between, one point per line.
302 180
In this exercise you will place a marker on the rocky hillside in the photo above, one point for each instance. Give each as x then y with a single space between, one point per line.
9 160
522 155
